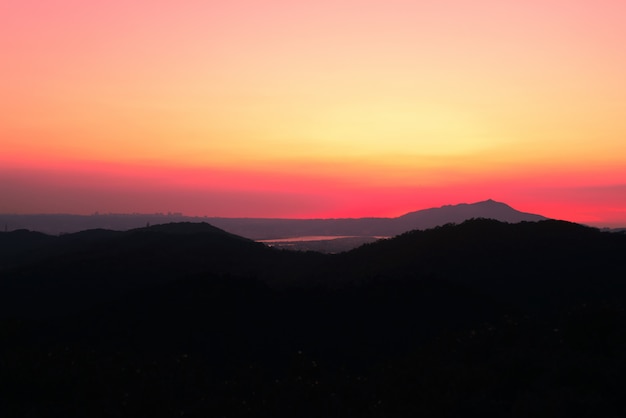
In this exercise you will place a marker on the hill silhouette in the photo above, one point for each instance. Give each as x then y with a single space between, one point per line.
77 270
483 317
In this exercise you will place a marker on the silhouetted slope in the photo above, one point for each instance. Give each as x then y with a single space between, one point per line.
525 260
528 262
23 247
191 228
14 245
76 270
483 318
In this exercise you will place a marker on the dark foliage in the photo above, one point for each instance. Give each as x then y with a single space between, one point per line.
482 318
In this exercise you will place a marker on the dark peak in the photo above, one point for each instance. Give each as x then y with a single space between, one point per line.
479 203
188 229
183 228
90 235
491 202
25 233
487 201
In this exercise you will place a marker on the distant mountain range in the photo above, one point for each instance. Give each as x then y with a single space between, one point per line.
372 227
275 229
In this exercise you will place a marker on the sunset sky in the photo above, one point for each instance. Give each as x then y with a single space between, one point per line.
326 108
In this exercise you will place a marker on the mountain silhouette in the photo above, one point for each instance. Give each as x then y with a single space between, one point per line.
76 270
83 268
483 317
488 209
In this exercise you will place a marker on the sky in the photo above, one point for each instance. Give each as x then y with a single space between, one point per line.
323 108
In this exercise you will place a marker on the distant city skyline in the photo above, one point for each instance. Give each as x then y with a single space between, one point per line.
319 109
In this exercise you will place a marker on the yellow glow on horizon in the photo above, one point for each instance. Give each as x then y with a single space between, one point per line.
393 94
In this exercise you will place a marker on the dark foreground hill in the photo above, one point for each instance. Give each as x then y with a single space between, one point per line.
48 274
482 319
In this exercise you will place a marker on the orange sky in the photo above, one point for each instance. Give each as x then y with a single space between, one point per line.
313 109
